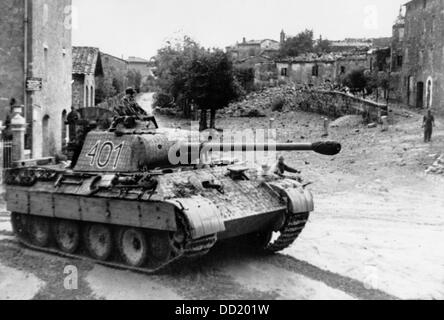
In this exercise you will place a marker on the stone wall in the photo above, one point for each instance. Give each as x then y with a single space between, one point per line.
11 54
337 104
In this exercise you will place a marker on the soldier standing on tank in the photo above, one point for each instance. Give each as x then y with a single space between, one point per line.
428 124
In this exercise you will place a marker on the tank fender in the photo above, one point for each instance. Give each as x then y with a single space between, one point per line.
203 216
300 200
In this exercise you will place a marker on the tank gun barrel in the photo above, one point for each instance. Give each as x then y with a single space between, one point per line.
329 148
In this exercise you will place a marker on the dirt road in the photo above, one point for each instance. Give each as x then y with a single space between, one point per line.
377 231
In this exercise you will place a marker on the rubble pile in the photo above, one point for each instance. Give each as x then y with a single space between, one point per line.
257 104
437 167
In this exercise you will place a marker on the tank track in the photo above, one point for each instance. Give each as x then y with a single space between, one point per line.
289 233
192 250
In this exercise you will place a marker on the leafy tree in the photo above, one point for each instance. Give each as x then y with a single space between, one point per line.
356 80
300 44
323 46
134 79
191 74
245 76
109 86
104 89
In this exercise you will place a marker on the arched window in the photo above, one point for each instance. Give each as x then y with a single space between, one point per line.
45 136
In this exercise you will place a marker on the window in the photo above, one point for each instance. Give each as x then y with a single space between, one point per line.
92 104
86 100
45 58
284 72
399 61
315 71
45 136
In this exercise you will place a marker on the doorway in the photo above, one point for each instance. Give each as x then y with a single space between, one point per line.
420 95
45 136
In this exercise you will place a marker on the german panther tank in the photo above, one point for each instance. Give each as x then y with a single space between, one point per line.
125 204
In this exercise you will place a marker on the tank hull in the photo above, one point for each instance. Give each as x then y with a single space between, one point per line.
179 214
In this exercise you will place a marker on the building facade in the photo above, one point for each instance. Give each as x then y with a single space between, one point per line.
86 66
314 69
140 65
252 48
422 71
35 64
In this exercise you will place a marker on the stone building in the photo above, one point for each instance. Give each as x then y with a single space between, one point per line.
86 66
422 71
315 69
35 64
140 65
252 48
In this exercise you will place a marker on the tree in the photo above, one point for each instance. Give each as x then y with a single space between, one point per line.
104 89
245 76
134 79
300 44
191 74
109 85
356 80
323 46
211 84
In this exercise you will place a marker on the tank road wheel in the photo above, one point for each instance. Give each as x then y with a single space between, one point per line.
160 246
40 231
67 235
98 241
133 246
19 223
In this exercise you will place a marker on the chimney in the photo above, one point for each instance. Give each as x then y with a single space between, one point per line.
244 40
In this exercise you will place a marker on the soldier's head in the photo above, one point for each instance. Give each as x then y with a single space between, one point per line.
130 92
281 160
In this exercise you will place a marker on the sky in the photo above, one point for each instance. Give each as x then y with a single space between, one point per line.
140 27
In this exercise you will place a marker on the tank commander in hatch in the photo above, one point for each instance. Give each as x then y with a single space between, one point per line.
129 106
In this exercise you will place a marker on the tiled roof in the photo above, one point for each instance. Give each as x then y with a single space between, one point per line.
86 60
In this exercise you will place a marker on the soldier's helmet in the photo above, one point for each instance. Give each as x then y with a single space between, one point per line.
130 91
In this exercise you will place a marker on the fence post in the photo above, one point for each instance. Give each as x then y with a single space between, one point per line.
18 128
